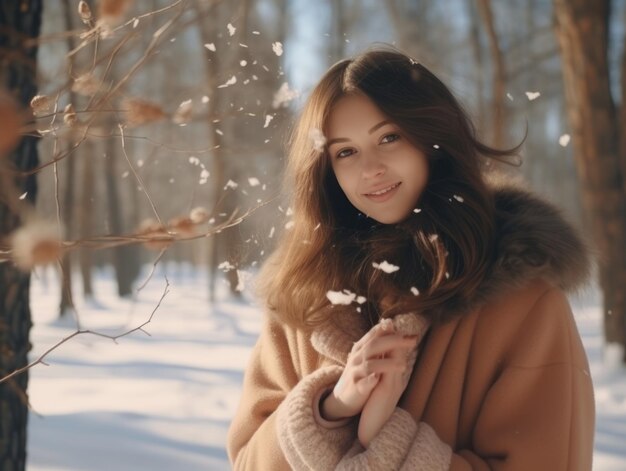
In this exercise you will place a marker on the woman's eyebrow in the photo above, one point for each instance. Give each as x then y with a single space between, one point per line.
378 126
372 130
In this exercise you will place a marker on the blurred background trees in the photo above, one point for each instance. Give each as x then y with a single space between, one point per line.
158 107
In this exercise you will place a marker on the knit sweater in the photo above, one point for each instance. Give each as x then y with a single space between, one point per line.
504 385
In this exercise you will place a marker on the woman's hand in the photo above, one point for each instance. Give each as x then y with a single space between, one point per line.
372 356
386 394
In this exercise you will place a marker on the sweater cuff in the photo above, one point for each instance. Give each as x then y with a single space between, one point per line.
394 439
300 435
428 451
329 424
387 450
401 444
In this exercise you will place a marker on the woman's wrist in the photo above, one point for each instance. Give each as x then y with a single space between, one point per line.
330 407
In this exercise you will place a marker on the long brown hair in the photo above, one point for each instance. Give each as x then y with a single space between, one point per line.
443 251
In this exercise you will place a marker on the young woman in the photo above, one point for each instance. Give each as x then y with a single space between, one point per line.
416 310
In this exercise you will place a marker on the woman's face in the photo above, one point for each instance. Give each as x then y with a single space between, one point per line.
381 173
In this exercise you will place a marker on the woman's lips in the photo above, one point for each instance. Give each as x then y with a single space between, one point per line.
385 195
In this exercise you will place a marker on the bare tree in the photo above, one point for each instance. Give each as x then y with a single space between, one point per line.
582 32
67 215
498 123
19 22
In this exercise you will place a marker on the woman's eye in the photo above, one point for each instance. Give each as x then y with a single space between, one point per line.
344 153
390 138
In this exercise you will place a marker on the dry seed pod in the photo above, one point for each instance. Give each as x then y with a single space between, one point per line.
69 115
41 104
111 12
140 112
84 11
86 84
157 236
35 243
183 226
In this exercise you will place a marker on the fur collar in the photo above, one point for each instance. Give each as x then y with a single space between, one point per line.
533 241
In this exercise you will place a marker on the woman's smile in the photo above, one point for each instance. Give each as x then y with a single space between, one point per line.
384 194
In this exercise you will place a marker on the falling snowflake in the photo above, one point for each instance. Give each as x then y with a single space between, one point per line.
344 297
283 96
417 210
533 95
230 81
253 181
231 184
509 96
436 146
386 266
289 225
194 160
271 232
226 266
318 139
414 290
204 176
210 47
184 112
268 119
231 29
277 47
458 198
564 140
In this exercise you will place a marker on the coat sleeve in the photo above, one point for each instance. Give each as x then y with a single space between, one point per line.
538 415
275 426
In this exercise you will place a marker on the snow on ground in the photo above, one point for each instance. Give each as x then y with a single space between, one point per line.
164 401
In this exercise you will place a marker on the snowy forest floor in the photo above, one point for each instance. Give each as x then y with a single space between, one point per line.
164 401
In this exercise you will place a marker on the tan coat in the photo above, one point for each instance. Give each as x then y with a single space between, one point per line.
503 386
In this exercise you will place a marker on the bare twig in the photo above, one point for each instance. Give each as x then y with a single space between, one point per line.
87 331
154 264
137 176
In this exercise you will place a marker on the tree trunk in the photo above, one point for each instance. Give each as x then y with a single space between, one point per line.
69 164
18 20
86 214
582 32
208 34
498 83
477 51
122 256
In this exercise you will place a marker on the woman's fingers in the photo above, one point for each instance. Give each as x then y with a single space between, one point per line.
384 328
367 384
379 366
387 345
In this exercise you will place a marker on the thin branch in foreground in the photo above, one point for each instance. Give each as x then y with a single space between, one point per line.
87 331
154 265
137 176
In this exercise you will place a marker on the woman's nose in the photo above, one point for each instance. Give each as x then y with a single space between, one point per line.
372 165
